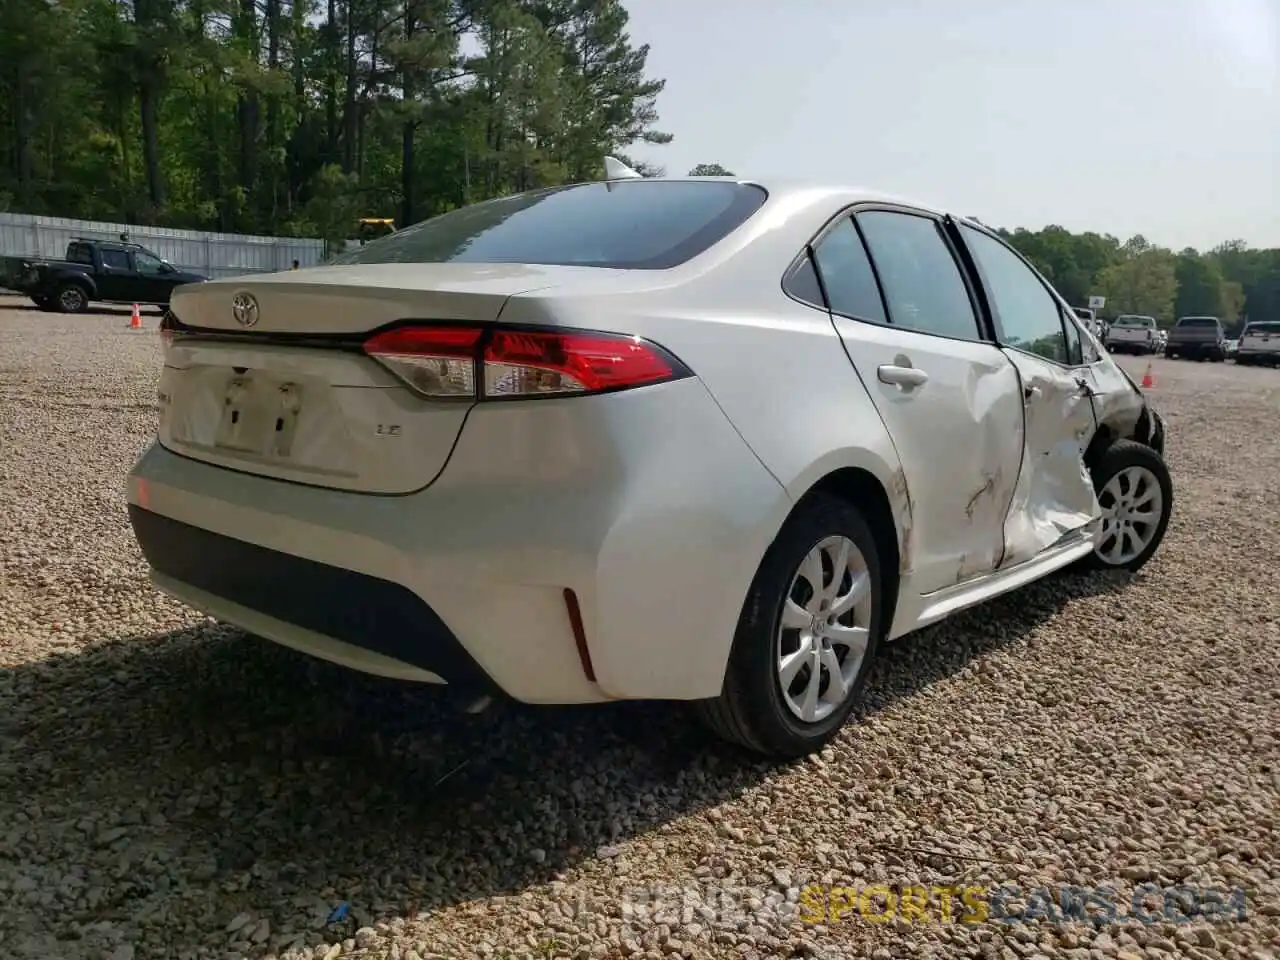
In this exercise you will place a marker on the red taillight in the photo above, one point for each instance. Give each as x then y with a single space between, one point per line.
449 361
435 361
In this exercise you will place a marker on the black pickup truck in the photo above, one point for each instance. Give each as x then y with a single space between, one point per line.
95 270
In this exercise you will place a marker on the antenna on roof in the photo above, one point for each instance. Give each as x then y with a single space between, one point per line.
615 169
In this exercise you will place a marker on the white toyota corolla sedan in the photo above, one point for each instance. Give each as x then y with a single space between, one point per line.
701 439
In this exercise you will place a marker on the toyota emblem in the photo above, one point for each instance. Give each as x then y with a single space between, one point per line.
245 309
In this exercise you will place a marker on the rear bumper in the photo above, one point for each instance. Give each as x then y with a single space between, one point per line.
646 504
373 615
1141 346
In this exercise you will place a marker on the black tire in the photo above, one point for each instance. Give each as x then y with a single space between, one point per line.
71 298
750 710
1119 456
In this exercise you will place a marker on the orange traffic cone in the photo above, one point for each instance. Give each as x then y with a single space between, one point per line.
1148 380
135 321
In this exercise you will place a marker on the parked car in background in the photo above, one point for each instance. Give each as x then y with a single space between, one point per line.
1197 338
95 270
1259 343
554 447
1133 334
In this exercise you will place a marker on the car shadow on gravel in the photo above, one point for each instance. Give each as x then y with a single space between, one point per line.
257 776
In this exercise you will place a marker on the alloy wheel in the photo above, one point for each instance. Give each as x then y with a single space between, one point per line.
824 630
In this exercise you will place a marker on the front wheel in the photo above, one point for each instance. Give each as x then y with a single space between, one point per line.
1135 492
71 298
807 635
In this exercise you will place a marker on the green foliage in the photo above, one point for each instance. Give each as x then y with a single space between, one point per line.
1232 282
300 116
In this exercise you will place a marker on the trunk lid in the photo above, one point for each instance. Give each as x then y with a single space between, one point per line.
330 301
291 396
323 417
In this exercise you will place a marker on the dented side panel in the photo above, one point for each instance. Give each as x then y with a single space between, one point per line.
1115 401
1054 493
958 438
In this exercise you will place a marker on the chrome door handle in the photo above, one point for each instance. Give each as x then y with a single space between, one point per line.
908 378
1030 392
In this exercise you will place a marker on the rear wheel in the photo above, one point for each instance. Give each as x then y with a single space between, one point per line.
1135 492
807 636
71 298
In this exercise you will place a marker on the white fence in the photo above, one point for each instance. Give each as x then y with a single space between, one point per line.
212 254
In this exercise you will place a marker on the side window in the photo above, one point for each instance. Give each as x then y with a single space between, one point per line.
802 283
847 275
146 263
80 253
922 281
115 259
1027 316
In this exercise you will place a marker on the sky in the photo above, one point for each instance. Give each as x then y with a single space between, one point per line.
1159 117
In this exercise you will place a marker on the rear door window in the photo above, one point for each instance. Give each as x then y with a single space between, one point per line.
116 259
923 286
628 224
1027 316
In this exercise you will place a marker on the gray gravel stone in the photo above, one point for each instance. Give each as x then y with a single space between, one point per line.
171 788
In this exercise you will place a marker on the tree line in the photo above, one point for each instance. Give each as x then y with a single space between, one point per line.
299 117
1233 281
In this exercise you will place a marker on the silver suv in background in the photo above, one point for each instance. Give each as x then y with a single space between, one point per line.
1259 343
1131 334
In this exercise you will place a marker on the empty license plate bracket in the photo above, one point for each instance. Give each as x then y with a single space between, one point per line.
259 416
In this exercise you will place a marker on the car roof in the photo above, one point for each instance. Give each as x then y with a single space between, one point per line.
819 191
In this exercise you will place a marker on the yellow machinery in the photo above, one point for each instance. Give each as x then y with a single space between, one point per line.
371 228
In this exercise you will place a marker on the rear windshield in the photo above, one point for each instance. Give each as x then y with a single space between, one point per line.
630 224
1134 322
1265 327
1198 322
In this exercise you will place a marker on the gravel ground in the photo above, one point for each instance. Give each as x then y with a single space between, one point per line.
170 788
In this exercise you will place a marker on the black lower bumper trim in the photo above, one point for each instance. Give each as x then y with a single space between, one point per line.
358 609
